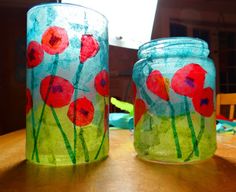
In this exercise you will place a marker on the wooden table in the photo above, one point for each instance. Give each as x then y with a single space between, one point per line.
122 171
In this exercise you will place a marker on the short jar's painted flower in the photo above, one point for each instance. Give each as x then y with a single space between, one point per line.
81 112
157 85
134 88
188 80
203 102
89 47
55 40
29 101
56 91
139 109
106 117
34 55
101 83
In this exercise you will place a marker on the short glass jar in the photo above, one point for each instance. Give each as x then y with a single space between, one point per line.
174 101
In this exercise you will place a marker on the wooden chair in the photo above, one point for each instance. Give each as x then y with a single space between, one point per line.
226 99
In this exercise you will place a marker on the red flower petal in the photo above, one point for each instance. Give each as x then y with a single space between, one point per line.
89 47
139 110
203 102
134 88
60 91
34 54
29 101
188 80
101 83
55 40
81 112
106 117
156 84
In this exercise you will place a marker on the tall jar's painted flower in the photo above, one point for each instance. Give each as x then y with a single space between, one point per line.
29 101
139 109
101 83
55 40
188 80
203 102
156 84
89 47
81 112
34 55
56 91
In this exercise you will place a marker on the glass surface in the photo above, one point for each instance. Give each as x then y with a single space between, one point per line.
174 101
67 85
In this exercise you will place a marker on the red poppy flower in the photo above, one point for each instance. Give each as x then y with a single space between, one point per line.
34 54
134 88
89 47
203 102
101 83
29 101
56 91
55 40
81 112
139 110
156 84
106 117
188 80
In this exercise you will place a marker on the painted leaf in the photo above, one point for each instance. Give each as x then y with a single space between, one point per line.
188 80
156 84
34 55
56 91
55 40
89 47
203 102
81 112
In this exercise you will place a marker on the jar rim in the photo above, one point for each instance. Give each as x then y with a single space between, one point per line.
169 42
69 5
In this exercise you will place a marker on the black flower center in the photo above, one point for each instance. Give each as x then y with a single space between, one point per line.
103 82
189 81
204 101
31 54
84 112
57 89
54 40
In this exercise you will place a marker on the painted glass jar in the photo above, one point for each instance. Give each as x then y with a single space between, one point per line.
67 85
174 101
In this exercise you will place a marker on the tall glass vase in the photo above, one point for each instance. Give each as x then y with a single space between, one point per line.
67 85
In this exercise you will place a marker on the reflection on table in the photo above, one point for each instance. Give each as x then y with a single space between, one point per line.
121 171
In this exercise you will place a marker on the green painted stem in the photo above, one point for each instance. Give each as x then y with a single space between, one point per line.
100 147
191 127
74 120
66 141
75 140
85 149
103 137
175 134
32 115
54 70
199 137
76 84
